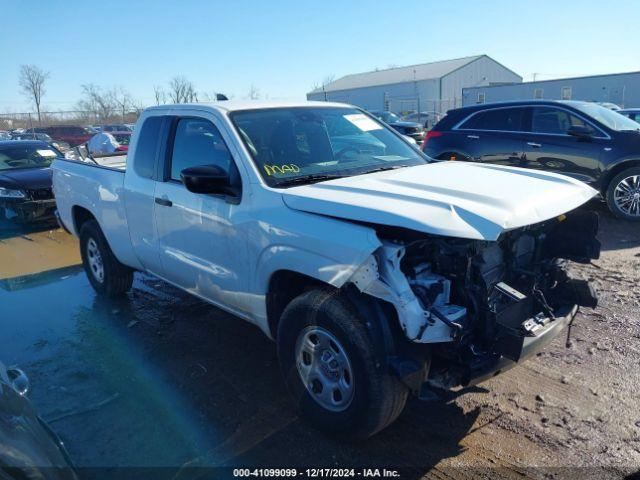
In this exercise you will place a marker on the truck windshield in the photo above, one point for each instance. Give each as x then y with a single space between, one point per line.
300 145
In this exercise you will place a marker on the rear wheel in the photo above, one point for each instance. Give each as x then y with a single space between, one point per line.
106 274
338 378
623 194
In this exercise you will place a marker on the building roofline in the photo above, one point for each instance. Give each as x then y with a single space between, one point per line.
478 57
555 80
471 59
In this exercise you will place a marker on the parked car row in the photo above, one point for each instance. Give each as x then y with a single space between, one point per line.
409 129
66 135
43 137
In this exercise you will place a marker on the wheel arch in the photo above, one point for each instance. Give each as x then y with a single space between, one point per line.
615 170
285 285
380 316
80 216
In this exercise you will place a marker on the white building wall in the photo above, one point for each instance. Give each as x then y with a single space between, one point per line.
400 97
431 95
482 71
622 89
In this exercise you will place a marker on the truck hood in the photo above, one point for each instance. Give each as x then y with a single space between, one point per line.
455 199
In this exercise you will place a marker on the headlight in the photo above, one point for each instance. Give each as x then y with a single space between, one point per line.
8 193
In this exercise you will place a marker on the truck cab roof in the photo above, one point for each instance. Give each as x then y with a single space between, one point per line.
236 105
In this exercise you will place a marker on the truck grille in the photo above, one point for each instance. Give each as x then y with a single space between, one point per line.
41 194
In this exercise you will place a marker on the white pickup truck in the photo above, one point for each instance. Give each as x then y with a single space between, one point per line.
377 270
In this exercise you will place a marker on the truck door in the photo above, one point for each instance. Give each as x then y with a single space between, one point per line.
140 183
200 246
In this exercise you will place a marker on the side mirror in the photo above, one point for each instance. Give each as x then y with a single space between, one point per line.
580 132
19 381
207 179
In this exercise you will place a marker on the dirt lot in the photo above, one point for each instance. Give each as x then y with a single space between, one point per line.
161 379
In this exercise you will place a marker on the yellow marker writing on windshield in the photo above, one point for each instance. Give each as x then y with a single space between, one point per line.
281 169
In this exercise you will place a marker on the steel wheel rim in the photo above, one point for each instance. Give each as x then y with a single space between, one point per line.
626 195
324 368
95 260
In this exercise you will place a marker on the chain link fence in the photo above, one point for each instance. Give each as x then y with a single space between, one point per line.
11 121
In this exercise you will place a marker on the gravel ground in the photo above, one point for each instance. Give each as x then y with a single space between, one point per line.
161 379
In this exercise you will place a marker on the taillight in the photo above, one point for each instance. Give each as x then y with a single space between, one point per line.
430 134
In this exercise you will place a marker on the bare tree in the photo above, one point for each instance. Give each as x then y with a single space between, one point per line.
101 103
181 90
325 81
124 101
253 93
159 93
137 107
32 80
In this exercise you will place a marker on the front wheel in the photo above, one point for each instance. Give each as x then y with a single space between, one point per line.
106 274
623 195
338 377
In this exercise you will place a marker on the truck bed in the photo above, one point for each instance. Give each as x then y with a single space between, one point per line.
97 188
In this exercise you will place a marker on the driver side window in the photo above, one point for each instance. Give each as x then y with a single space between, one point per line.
198 142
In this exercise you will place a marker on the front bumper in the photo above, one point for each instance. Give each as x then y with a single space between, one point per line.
29 210
487 368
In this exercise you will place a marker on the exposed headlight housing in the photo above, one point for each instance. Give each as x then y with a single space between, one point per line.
9 193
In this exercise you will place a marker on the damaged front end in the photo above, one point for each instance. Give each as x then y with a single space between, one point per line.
35 205
469 309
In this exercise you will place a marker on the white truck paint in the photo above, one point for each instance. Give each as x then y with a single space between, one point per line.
466 254
227 253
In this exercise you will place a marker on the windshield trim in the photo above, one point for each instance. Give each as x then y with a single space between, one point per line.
232 113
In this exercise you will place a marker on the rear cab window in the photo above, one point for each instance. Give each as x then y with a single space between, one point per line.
147 147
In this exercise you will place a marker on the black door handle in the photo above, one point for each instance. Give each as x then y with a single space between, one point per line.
164 202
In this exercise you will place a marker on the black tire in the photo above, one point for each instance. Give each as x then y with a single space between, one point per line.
116 277
615 209
378 396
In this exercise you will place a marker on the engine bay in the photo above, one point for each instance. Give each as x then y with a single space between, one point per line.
475 300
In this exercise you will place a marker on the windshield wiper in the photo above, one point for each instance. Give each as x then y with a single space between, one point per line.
287 182
383 169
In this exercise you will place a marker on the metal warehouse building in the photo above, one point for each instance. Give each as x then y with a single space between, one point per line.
428 87
623 89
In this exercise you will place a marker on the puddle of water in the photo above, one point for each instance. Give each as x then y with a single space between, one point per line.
78 351
24 253
38 310
152 379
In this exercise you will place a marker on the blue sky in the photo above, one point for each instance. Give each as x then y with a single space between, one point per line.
283 47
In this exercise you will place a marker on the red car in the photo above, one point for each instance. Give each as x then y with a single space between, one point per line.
123 139
71 134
